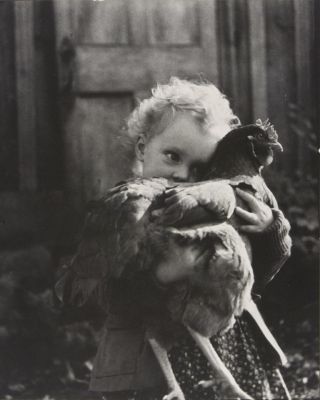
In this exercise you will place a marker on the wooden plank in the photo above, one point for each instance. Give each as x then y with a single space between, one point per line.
25 81
258 62
227 51
232 47
304 29
94 146
102 22
208 22
242 104
233 55
316 60
137 23
9 175
126 70
65 15
49 137
172 22
281 75
222 48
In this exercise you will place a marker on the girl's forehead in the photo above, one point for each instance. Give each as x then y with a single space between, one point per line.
182 127
177 122
187 135
165 120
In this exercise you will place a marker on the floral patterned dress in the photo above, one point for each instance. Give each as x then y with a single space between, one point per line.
245 358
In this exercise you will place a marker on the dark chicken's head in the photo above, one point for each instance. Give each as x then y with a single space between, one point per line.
244 150
264 140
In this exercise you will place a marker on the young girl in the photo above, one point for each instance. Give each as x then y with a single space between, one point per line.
174 133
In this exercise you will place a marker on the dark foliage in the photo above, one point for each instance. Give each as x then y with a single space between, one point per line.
291 300
297 284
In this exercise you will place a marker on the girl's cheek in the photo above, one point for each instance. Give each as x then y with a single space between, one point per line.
166 172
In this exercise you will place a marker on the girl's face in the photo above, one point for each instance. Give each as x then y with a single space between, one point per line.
179 151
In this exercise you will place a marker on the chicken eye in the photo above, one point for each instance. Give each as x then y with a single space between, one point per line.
172 156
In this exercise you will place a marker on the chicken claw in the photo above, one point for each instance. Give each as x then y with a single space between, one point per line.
233 393
175 394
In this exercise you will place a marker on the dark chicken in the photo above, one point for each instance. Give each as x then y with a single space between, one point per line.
238 161
140 223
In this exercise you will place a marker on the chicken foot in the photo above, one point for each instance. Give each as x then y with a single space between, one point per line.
228 382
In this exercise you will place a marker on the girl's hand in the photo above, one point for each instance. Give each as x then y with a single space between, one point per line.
258 218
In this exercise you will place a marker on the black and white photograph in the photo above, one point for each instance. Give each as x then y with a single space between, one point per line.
159 199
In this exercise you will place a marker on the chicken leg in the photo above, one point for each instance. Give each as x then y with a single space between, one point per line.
228 382
175 392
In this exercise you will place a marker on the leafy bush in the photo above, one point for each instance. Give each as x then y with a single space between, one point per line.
297 197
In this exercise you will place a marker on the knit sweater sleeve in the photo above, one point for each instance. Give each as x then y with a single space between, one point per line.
271 248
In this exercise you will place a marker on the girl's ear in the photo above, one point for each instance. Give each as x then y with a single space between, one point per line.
139 148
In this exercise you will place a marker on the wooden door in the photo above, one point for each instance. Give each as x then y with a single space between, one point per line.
111 52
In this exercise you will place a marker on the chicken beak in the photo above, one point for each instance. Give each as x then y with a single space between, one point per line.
276 146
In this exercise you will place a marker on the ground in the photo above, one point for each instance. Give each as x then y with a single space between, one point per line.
66 376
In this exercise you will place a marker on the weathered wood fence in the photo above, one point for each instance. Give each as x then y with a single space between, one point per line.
266 57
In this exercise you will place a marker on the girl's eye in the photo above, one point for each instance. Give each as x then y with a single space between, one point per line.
172 156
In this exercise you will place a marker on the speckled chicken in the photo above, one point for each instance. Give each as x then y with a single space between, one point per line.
139 223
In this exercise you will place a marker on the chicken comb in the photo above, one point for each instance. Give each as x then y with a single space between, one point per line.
266 125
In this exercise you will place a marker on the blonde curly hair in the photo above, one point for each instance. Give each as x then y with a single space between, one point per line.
202 99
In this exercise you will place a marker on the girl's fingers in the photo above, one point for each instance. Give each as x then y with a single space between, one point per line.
252 202
246 215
